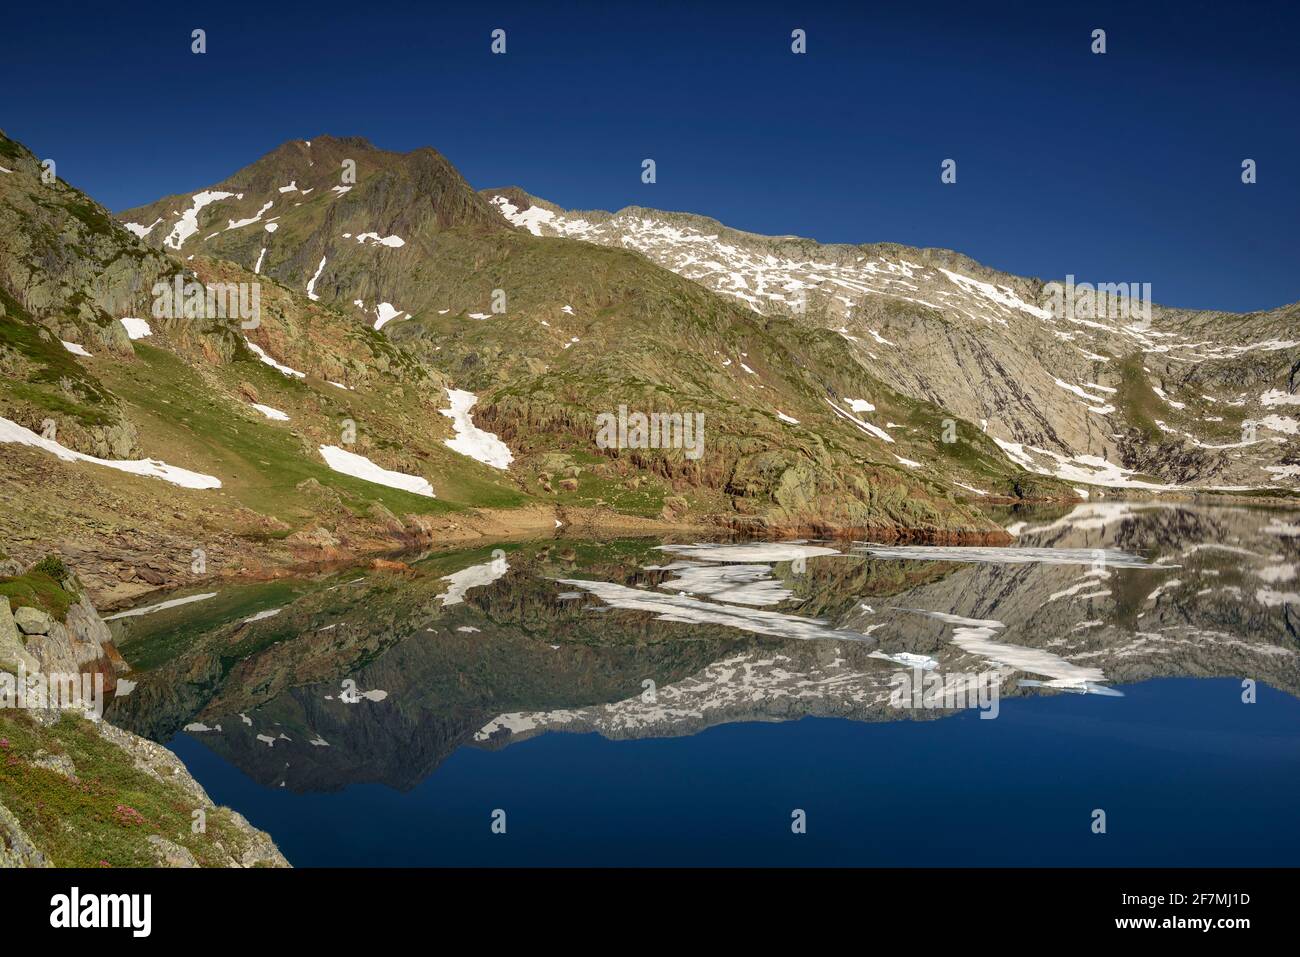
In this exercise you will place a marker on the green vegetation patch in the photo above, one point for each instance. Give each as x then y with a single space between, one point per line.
104 817
36 589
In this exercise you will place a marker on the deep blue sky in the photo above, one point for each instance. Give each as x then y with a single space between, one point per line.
1122 167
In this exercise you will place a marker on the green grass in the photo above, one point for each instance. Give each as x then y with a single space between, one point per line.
260 465
1137 401
84 823
83 399
36 589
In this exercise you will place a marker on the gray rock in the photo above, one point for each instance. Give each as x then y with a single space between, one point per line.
16 848
53 651
32 621
59 763
12 649
171 854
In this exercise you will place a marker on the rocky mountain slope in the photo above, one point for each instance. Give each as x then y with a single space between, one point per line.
1105 390
551 335
427 359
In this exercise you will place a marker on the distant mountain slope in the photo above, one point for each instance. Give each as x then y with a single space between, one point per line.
321 429
552 335
129 439
1080 394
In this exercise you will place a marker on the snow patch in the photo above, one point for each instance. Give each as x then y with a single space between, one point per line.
135 328
271 413
188 224
12 432
311 283
470 440
358 466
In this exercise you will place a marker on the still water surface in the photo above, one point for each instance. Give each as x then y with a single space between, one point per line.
649 702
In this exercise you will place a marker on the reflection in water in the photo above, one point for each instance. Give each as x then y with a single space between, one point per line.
381 679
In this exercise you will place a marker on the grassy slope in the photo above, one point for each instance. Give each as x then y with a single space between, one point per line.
88 822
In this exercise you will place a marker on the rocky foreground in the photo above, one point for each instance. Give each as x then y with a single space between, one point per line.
75 791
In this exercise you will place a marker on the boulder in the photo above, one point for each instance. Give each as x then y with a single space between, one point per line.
12 650
169 853
32 621
58 763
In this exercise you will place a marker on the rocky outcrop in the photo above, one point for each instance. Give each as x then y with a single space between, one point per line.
80 642
16 848
32 640
13 650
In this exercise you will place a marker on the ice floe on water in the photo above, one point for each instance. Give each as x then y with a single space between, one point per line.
358 466
475 576
161 606
749 551
691 611
135 328
470 440
12 432
1008 555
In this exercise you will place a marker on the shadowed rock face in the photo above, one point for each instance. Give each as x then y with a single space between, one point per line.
381 680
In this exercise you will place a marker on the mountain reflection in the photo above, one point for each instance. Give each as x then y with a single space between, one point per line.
379 678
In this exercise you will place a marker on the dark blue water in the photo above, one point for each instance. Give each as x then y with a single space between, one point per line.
1186 773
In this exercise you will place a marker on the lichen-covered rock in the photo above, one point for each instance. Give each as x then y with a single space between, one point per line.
171 854
33 621
13 651
58 763
16 848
